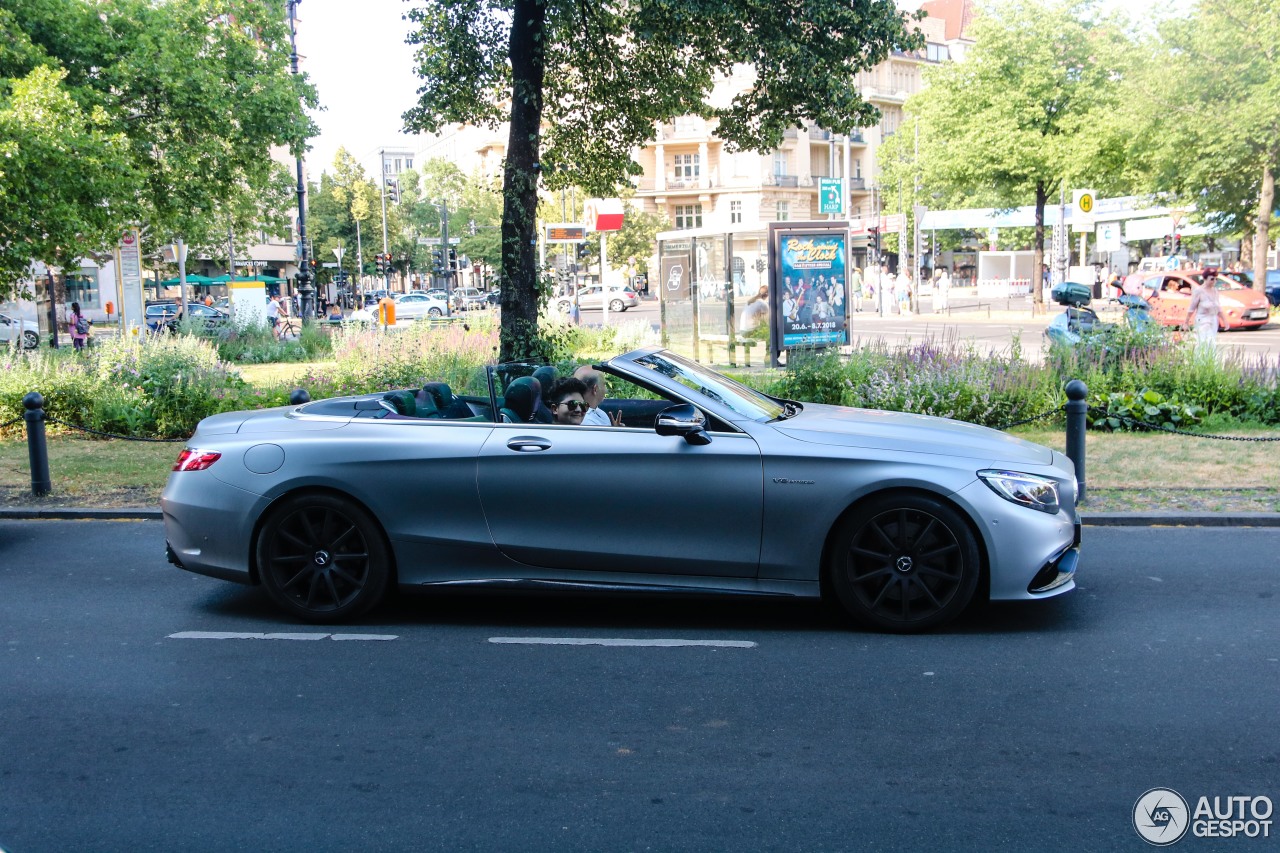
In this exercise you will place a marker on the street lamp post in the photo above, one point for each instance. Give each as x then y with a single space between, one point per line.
306 291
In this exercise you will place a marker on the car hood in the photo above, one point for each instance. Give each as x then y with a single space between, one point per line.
906 433
1243 297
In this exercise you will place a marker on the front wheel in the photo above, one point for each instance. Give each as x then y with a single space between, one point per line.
30 339
566 307
904 563
322 558
433 312
617 306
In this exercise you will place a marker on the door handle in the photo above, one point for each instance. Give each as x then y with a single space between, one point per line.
526 444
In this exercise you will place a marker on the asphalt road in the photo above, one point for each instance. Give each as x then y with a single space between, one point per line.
1027 727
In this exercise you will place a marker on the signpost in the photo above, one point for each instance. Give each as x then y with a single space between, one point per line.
129 271
830 195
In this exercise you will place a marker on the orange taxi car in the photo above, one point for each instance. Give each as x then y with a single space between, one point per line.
1169 293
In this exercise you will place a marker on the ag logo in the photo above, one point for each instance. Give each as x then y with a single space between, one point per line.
1161 816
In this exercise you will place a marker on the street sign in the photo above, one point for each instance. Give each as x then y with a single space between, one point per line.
1084 201
329 264
1108 237
566 232
435 241
830 195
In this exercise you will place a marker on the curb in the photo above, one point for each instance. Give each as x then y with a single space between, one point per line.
1088 519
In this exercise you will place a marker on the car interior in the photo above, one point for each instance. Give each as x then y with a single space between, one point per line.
518 396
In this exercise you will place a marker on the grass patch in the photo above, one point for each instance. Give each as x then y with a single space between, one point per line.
260 375
88 473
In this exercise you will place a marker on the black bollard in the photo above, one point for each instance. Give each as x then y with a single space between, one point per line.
37 447
298 396
1077 408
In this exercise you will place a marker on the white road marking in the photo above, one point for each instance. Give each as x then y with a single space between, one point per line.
621 641
242 635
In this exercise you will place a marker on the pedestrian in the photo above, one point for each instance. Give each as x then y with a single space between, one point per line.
855 287
208 300
1205 310
902 290
942 290
273 316
78 326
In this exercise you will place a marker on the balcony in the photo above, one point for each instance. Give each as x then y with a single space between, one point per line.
782 180
817 134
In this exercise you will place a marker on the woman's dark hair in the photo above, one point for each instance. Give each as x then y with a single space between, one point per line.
563 387
75 306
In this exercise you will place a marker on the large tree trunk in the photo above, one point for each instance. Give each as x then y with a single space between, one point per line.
520 297
1262 233
1037 283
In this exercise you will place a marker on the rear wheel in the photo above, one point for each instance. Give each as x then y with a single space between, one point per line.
904 563
322 558
30 339
433 312
616 305
566 307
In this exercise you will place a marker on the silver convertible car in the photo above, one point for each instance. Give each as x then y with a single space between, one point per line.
901 519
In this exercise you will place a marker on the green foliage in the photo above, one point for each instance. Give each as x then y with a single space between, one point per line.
583 82
161 113
1125 411
255 344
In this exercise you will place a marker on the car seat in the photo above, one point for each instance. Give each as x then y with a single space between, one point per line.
400 404
448 405
521 400
545 376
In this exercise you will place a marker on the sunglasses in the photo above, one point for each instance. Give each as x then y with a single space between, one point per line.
574 405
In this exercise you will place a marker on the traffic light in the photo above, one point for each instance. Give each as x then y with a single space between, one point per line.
437 261
1166 246
471 227
453 259
379 264
1177 244
583 250
393 189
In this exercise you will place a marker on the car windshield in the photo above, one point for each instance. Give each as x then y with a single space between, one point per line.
708 383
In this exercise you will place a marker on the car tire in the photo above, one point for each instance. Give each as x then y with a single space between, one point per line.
566 307
322 558
903 563
433 312
30 339
617 306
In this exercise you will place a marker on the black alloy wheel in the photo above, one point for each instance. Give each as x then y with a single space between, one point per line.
904 563
322 558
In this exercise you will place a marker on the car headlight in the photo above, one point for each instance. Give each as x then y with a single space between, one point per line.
1024 489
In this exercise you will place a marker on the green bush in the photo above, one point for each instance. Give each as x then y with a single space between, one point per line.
1144 410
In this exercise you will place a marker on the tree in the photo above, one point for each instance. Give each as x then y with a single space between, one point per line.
634 243
582 82
1220 126
1029 108
180 103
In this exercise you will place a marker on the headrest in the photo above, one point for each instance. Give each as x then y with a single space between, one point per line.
522 397
402 402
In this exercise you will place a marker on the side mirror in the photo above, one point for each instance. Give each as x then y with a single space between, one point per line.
683 420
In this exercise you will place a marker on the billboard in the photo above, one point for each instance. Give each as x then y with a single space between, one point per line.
811 300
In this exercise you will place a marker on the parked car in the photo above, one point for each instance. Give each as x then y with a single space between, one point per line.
1169 294
589 298
167 316
902 519
467 298
411 306
25 332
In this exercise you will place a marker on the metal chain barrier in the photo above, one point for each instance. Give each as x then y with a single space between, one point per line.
109 434
1094 410
13 422
1038 417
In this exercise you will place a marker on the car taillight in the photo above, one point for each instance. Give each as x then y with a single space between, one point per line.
195 460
